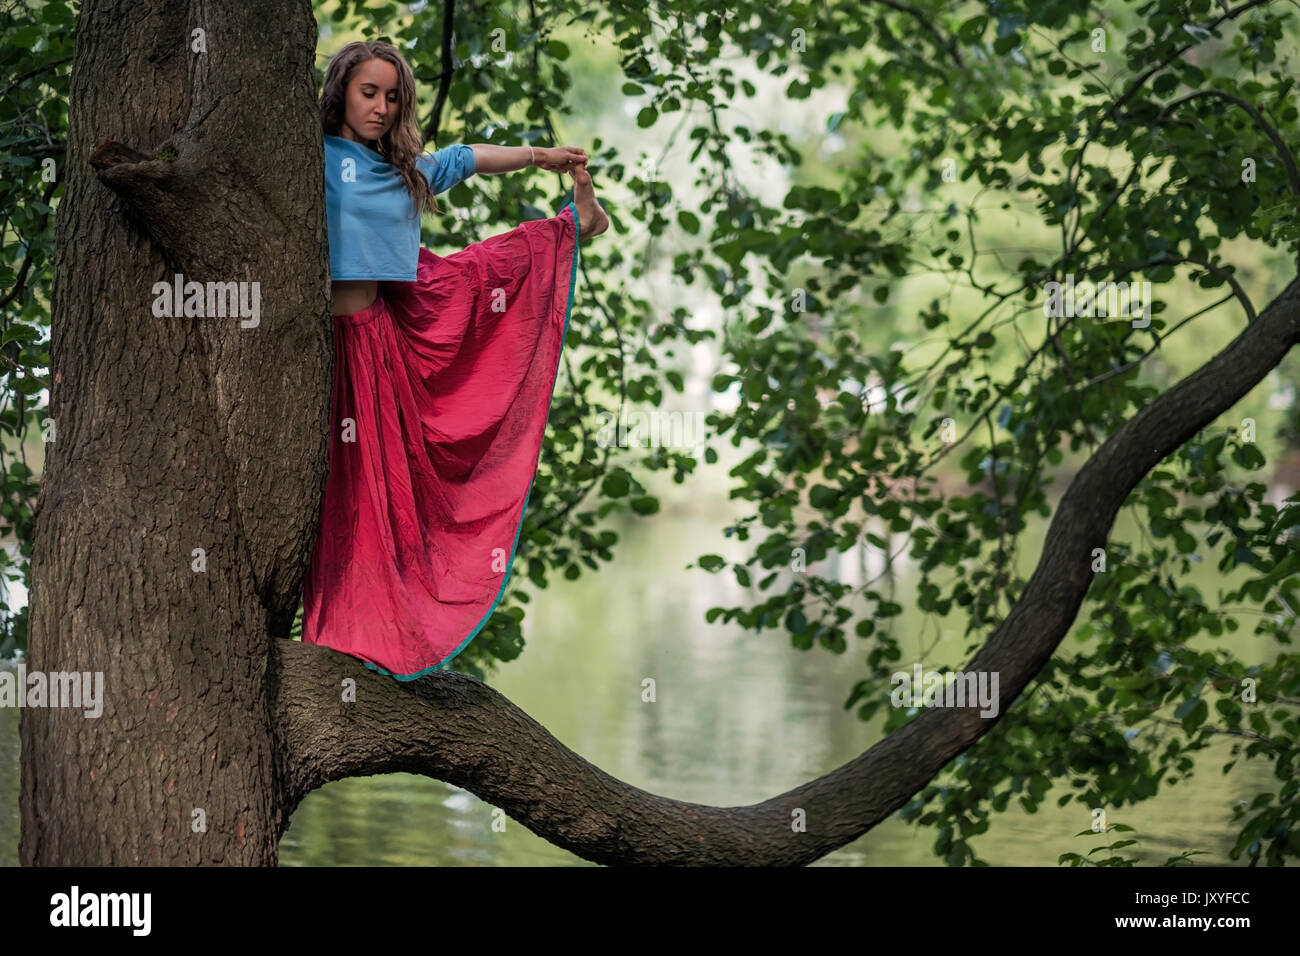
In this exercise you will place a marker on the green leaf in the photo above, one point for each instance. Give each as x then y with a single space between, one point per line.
20 333
615 484
973 29
1005 44
1164 84
645 504
1194 717
822 496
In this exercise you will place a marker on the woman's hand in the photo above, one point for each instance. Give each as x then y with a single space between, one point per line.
559 158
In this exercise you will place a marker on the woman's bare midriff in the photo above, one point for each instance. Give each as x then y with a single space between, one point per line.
347 297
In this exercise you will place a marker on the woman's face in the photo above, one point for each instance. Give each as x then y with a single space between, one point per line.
370 105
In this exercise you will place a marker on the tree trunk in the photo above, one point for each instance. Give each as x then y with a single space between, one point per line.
177 434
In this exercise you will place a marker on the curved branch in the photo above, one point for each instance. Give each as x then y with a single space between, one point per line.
1283 152
1072 177
1227 277
454 728
1160 340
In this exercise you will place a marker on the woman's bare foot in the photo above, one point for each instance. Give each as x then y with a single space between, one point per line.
592 220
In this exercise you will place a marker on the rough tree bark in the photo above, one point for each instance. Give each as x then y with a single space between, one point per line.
176 434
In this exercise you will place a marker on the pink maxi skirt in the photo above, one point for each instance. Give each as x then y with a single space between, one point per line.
441 392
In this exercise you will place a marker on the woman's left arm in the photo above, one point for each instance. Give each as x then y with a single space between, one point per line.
490 159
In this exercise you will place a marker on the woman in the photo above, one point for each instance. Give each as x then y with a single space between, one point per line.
443 373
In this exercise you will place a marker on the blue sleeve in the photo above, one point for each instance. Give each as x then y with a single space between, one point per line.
447 167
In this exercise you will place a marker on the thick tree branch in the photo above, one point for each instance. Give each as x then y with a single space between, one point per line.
454 728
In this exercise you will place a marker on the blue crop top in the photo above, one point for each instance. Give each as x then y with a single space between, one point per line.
374 232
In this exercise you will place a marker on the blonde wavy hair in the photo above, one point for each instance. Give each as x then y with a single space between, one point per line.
402 143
